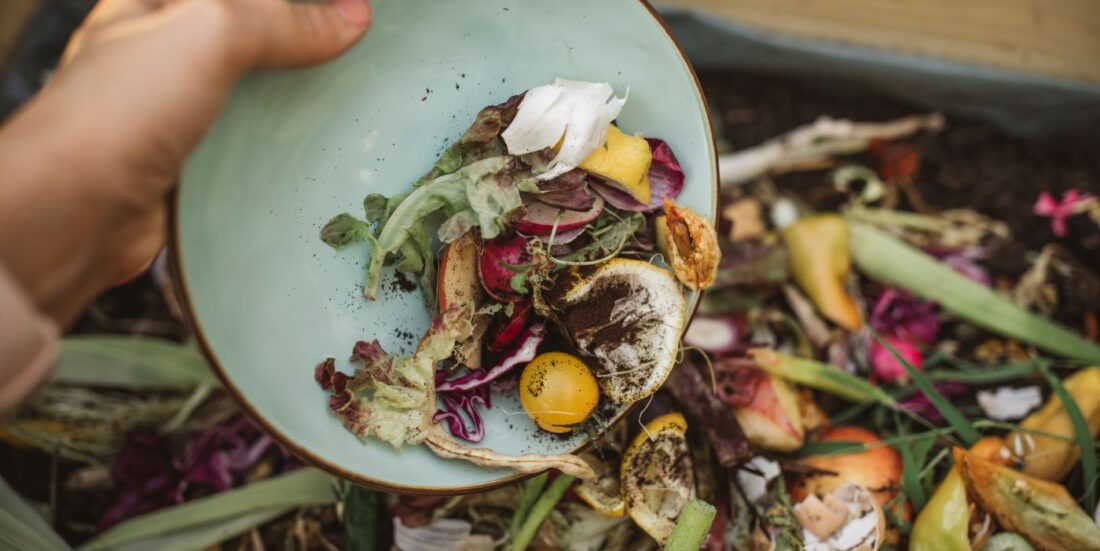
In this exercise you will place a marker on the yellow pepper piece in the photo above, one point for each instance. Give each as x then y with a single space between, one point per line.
820 263
624 160
1052 459
944 523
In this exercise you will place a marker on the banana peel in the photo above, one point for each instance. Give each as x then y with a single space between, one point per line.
820 264
1041 511
1051 459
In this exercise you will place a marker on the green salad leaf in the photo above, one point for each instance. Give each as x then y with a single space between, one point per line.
481 194
343 230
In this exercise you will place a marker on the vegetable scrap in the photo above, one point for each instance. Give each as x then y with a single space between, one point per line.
549 286
873 365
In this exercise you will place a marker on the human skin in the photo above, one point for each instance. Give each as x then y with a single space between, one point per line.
86 165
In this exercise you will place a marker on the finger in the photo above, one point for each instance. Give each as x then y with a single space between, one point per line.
299 34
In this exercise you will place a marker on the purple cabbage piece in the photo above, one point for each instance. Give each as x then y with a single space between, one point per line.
898 313
463 396
568 191
149 476
523 352
666 180
456 404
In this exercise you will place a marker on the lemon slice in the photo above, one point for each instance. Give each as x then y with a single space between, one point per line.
624 160
628 315
656 475
603 496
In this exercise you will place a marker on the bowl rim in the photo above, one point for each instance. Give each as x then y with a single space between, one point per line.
179 282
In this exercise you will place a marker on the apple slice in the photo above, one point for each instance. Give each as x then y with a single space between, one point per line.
540 218
771 419
457 284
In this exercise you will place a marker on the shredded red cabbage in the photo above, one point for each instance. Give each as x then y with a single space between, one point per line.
149 476
898 313
666 180
523 352
462 396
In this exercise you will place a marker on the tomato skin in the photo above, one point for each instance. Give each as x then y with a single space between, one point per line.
558 391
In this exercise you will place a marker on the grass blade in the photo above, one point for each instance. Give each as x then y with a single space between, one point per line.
913 455
205 536
305 486
1010 372
950 413
132 362
823 377
1085 441
21 527
892 261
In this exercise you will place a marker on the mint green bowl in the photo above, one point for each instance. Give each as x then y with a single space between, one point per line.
268 300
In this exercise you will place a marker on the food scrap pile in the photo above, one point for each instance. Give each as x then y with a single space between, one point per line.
868 372
554 223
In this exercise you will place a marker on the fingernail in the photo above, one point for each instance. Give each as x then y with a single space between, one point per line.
355 12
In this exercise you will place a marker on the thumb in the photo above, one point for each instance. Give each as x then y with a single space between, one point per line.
305 33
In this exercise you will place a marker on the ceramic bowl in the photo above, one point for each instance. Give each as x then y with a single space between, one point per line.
268 300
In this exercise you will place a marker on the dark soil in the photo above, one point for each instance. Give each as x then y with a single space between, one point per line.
968 165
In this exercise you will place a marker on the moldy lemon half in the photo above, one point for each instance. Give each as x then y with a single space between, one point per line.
657 479
626 316
558 391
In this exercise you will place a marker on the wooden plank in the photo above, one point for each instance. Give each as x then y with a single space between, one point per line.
1057 38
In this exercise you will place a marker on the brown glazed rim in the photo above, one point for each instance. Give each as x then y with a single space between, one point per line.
180 282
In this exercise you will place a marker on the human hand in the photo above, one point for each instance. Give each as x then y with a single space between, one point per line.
86 166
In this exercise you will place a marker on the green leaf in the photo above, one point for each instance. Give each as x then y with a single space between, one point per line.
132 362
361 508
836 447
256 503
821 376
480 193
343 230
692 527
529 491
21 527
912 460
1085 440
954 417
894 262
1010 372
539 511
375 206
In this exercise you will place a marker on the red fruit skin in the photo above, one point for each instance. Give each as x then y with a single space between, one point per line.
506 332
886 367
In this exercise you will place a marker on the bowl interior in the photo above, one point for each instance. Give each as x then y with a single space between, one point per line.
269 300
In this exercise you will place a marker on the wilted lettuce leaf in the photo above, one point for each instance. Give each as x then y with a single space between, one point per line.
390 397
481 194
343 230
480 141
